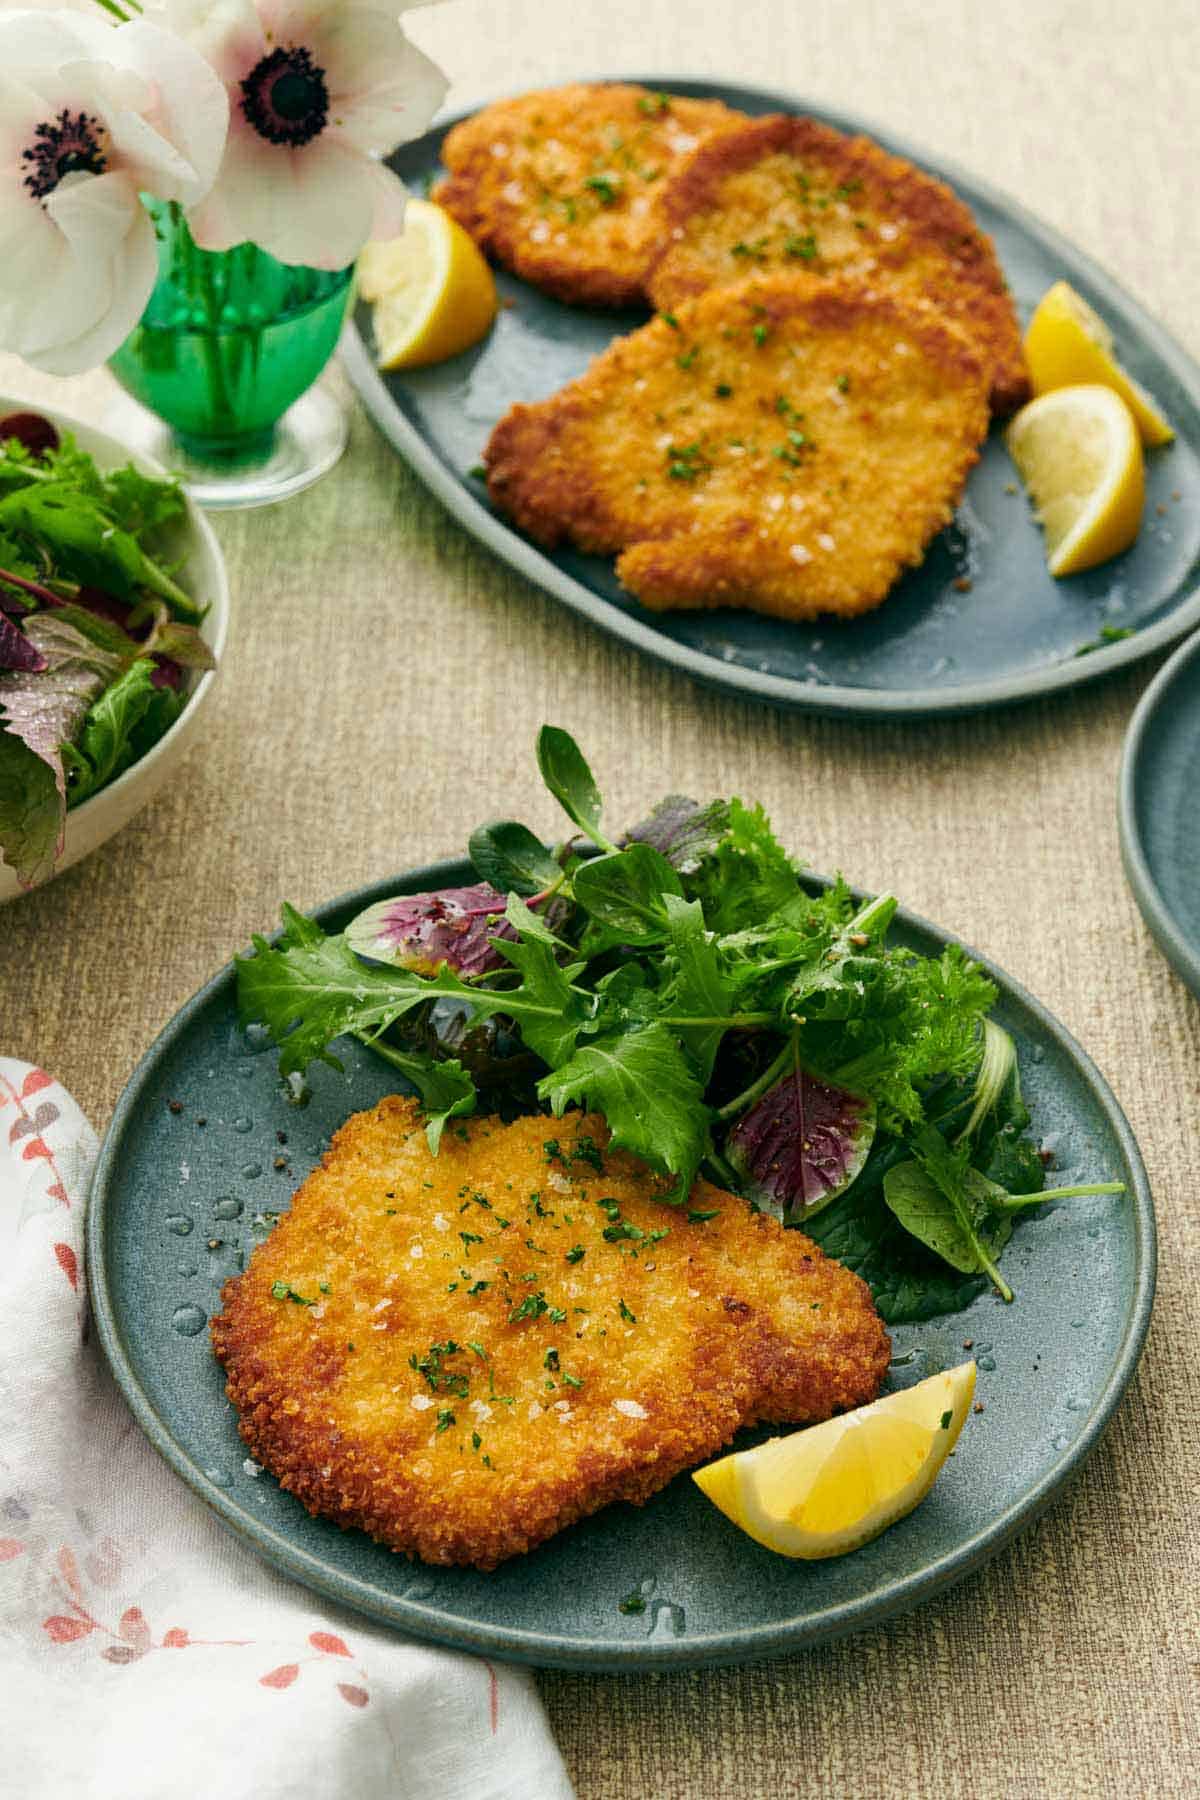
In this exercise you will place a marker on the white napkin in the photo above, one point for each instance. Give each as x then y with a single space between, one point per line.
143 1652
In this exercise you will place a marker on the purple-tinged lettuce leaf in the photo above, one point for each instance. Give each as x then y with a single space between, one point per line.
683 831
803 1143
42 711
181 645
16 651
31 811
425 932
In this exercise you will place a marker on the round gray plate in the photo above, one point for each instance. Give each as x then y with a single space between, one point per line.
177 1207
929 648
1158 809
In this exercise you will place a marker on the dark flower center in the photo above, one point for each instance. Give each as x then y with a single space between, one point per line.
285 97
71 145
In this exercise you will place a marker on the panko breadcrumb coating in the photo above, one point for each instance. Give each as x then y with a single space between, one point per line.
783 192
561 186
462 1354
788 445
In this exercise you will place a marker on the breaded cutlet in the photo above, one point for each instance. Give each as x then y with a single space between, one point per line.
462 1354
561 186
782 192
788 445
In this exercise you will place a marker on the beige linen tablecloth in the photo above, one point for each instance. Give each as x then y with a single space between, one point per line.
383 683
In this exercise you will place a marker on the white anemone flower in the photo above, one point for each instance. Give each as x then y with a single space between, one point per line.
92 115
318 91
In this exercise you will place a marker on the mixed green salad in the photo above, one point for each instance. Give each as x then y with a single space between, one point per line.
724 1015
97 638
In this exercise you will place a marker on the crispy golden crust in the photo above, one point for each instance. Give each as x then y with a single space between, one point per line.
714 1325
782 191
788 445
562 186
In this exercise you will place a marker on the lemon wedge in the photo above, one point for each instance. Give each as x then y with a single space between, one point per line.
1067 343
835 1486
434 295
1079 454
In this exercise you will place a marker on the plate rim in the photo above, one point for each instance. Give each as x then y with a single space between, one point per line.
784 692
1183 956
540 1649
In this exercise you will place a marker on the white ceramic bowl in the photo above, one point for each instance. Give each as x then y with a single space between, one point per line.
203 575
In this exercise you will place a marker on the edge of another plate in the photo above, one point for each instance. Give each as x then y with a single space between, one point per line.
1183 956
545 1650
752 684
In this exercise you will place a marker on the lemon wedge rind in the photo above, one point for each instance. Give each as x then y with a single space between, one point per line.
432 292
832 1488
1067 343
1079 454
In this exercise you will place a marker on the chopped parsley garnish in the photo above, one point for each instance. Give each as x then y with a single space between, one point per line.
687 357
441 1379
550 1361
477 472
686 461
842 384
478 1287
606 187
531 1307
632 1603
282 1290
470 1237
587 1150
1109 634
624 1230
723 391
653 104
697 1214
626 1314
803 246
946 1418
760 334
556 1315
476 1440
670 319
574 1381
445 1420
755 252
576 1253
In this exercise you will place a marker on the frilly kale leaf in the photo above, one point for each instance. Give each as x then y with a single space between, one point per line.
651 1097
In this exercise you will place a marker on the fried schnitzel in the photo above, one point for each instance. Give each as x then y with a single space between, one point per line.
561 186
780 192
788 445
464 1353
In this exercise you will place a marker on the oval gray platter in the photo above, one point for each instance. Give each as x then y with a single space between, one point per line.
930 648
1052 1366
1159 807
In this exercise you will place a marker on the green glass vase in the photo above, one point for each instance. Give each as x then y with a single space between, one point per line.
224 360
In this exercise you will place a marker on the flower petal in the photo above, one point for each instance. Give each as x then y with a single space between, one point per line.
382 89
189 112
132 271
313 206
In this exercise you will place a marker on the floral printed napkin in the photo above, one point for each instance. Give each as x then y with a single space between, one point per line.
143 1652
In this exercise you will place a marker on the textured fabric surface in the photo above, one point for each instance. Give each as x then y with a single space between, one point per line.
122 1593
381 691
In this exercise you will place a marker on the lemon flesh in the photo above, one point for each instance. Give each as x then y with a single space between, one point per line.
834 1487
1079 454
1068 343
433 293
